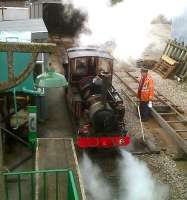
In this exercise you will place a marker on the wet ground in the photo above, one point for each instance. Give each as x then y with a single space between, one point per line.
59 122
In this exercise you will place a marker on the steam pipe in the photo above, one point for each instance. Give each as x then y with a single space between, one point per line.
37 92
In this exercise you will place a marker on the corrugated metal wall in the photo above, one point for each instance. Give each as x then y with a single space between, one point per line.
13 13
36 11
36 8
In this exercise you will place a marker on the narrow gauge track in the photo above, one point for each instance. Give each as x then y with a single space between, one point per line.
163 110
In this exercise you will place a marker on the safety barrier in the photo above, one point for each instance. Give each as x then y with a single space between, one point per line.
18 177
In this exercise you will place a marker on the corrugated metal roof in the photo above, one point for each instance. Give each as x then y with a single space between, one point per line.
15 36
46 1
31 25
87 51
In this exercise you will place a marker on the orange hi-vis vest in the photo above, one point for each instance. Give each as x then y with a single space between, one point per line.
146 89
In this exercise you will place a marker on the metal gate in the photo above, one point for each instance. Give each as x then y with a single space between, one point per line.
19 179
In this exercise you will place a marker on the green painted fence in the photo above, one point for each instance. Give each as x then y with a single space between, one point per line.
18 180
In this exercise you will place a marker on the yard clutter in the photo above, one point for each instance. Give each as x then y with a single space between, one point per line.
173 62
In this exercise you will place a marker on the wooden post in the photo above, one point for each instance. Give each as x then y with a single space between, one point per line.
183 63
177 52
170 50
174 49
2 187
173 55
183 55
184 69
167 48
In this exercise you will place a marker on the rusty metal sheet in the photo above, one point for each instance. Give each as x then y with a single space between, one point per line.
27 47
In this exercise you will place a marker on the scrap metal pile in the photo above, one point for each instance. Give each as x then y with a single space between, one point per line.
173 62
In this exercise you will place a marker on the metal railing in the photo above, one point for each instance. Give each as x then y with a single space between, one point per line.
17 178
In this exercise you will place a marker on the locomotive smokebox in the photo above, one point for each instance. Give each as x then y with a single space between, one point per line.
102 117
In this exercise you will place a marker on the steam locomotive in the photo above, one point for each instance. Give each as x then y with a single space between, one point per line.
96 106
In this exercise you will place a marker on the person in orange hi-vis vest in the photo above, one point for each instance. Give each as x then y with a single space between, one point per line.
145 94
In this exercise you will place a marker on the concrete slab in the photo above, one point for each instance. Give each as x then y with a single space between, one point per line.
59 122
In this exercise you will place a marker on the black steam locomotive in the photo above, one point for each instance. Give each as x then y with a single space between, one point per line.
96 106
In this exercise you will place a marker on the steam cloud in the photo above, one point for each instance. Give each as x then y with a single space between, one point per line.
125 24
94 183
136 181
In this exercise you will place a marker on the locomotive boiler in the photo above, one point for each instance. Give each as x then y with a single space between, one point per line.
97 108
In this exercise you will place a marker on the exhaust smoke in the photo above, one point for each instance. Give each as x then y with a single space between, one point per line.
63 19
127 24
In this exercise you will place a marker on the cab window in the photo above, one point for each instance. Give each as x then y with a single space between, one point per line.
104 65
80 66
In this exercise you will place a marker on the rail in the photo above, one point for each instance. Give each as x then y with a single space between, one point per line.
163 110
32 177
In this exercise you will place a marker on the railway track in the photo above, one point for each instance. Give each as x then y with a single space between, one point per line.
163 110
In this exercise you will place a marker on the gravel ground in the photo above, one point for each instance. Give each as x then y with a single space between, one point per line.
176 92
162 166
171 89
164 169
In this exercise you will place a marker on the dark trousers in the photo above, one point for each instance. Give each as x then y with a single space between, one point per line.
144 110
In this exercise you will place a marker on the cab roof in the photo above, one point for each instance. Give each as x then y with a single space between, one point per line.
88 51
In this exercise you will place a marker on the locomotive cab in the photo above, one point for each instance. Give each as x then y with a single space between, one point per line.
96 107
84 66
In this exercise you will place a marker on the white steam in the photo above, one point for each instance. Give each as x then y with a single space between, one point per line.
127 24
94 183
137 181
